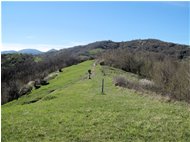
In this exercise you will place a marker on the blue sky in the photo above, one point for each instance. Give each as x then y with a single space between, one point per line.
46 25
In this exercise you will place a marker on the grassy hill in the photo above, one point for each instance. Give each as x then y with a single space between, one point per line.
72 108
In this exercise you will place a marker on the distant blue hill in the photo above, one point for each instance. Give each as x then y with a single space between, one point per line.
24 51
8 52
52 50
30 51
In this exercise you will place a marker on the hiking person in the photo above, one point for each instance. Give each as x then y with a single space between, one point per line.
89 74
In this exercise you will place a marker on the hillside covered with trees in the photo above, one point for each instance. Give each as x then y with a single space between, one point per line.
166 64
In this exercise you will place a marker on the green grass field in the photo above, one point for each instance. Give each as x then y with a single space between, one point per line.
72 108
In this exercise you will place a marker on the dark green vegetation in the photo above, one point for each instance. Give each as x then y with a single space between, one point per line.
19 69
72 108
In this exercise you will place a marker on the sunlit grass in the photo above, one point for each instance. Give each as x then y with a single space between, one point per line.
72 108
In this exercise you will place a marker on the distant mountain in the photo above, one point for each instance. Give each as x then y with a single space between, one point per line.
24 51
152 45
52 50
8 52
30 51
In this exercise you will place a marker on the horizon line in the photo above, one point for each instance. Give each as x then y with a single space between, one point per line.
46 47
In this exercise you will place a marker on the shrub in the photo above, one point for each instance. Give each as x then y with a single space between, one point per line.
170 75
149 85
102 63
120 81
26 89
50 76
44 82
146 84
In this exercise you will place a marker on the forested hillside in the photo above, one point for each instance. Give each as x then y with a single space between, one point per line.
143 57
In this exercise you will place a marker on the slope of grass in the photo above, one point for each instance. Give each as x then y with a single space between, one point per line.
72 108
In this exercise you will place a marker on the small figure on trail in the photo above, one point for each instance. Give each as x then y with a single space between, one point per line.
89 74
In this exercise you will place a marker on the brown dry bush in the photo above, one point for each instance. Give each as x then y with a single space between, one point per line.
170 75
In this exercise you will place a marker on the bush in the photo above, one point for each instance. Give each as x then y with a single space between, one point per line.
170 75
102 63
120 81
147 84
23 68
51 76
26 89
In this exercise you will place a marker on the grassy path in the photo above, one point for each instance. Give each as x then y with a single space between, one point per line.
72 108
